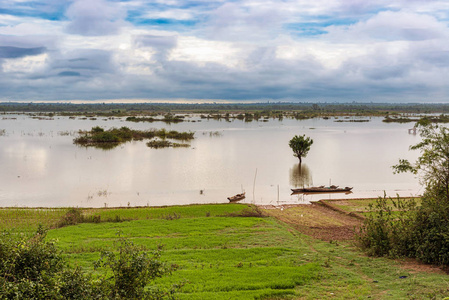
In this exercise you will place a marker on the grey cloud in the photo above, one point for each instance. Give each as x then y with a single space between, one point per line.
28 41
86 60
232 21
69 73
386 72
158 42
94 18
438 58
162 44
16 52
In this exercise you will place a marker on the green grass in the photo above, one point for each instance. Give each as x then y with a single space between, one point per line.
227 257
27 219
361 205
189 211
224 257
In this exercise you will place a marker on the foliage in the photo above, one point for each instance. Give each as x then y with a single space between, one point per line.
423 234
387 229
300 146
32 268
27 266
433 164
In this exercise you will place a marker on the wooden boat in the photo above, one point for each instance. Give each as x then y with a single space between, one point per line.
322 189
237 197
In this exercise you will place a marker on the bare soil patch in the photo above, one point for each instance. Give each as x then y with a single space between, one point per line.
414 266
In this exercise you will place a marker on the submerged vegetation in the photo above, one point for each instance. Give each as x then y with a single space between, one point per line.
156 144
107 139
247 112
168 118
426 119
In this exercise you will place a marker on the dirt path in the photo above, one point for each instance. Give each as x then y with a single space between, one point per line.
324 223
316 220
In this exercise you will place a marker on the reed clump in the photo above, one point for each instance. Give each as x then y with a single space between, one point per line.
75 216
251 212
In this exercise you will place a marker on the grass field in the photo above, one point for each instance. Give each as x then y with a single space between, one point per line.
361 206
232 252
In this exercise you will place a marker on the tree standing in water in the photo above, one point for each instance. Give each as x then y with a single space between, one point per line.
300 146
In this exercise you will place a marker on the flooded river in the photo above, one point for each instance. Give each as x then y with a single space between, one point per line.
40 165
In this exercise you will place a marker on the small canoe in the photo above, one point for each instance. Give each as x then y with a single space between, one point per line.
322 189
237 197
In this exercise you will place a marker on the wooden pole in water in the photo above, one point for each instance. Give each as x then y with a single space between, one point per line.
278 194
254 186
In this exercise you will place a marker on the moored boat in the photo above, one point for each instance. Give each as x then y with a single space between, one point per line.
322 189
237 197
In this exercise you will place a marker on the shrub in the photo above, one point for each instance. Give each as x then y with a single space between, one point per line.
28 266
133 269
388 228
32 268
72 217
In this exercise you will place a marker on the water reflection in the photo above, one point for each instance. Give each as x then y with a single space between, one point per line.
300 175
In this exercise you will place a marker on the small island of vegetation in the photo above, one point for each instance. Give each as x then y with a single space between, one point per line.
108 139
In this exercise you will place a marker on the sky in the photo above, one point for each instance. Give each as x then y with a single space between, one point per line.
220 50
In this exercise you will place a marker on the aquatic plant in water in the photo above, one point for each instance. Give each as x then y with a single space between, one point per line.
108 139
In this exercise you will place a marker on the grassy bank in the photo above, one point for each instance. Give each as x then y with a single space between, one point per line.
235 251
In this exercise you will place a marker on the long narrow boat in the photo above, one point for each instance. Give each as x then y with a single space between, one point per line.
237 197
322 189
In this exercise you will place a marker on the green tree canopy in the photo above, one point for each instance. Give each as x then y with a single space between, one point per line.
433 164
300 146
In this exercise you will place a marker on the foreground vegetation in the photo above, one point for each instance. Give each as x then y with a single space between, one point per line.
231 251
416 231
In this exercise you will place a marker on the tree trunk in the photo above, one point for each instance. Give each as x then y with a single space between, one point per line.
300 159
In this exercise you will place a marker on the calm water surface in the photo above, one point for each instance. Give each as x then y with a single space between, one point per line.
40 165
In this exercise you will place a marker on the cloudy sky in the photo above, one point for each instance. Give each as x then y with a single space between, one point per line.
254 50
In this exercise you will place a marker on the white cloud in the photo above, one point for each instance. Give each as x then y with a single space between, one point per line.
191 49
27 64
94 17
248 49
173 14
391 26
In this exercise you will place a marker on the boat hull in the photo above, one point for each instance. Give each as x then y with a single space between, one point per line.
322 190
237 197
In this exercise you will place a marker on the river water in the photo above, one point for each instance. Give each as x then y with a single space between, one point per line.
41 167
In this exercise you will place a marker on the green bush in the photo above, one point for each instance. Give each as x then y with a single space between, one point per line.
431 232
388 227
133 269
28 266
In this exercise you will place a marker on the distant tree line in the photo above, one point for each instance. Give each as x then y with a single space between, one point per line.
147 108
